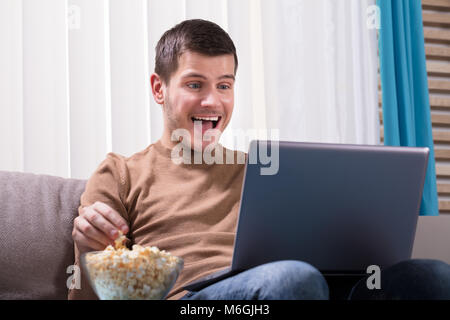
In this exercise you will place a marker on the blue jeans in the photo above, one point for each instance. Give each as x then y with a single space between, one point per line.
417 279
297 280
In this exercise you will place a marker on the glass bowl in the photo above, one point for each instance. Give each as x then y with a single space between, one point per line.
128 275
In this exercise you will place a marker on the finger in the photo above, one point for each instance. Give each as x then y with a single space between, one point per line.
97 220
91 232
113 216
83 242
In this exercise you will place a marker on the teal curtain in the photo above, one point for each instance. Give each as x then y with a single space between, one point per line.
406 105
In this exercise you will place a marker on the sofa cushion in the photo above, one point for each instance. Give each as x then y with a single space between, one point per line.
36 220
433 238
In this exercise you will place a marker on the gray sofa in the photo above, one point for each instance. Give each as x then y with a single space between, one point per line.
36 247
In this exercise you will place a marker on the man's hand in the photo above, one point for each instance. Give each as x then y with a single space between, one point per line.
96 227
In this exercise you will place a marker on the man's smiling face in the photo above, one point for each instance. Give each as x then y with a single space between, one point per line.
200 92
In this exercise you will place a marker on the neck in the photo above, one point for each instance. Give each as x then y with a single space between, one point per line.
166 141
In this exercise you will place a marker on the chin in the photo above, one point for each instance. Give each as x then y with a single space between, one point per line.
199 144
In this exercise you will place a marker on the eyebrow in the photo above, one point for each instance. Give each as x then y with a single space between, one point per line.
198 75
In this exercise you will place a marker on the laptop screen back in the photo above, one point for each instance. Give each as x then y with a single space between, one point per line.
338 207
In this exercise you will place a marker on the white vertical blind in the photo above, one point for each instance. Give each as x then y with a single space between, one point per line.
129 76
250 107
208 10
321 87
257 65
74 80
162 15
45 96
89 87
11 86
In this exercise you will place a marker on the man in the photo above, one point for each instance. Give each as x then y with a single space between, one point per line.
189 209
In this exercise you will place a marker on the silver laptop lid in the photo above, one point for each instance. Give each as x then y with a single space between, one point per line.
338 207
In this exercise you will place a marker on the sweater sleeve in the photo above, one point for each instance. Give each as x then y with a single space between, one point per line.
108 184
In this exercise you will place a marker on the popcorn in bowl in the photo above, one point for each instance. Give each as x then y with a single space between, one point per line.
118 273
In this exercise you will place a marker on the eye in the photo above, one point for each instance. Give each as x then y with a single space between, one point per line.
194 85
224 86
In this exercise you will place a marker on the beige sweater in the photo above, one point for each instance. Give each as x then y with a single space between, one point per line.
190 210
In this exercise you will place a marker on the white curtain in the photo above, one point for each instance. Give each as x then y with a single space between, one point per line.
74 75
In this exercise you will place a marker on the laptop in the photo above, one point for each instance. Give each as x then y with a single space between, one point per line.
338 207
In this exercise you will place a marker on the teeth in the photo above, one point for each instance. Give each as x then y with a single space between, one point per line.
206 118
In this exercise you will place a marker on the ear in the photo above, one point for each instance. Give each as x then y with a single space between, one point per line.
157 88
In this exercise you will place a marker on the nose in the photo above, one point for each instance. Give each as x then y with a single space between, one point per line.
211 100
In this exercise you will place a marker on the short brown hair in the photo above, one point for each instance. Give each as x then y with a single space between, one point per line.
201 36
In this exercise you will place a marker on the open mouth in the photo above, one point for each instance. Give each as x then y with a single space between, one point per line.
206 120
